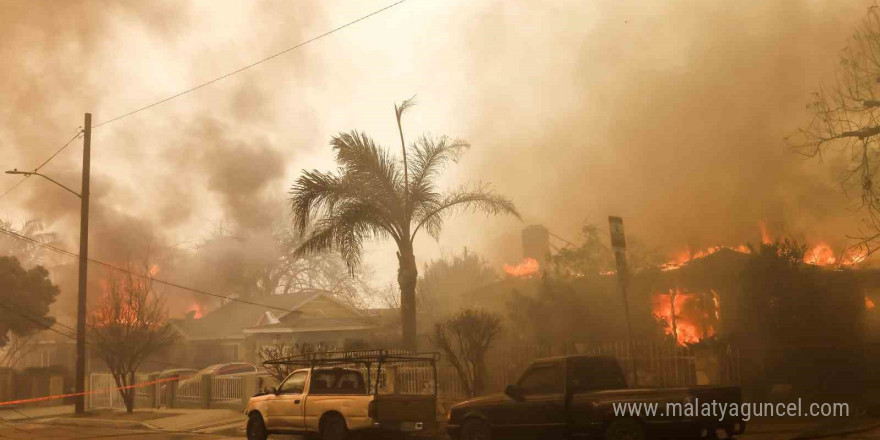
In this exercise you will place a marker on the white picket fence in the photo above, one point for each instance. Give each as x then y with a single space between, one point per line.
226 388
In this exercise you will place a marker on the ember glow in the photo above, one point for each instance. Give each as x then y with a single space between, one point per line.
688 316
527 268
869 304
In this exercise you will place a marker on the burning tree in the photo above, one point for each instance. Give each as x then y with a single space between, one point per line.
845 120
129 325
464 339
374 194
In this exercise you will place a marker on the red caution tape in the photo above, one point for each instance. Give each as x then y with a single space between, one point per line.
85 393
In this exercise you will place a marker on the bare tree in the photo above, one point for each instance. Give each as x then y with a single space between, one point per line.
464 339
281 351
16 349
846 120
129 325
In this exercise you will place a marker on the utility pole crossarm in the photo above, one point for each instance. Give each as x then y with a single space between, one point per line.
34 173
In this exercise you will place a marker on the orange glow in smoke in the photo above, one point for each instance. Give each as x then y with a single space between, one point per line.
154 270
527 268
196 308
869 304
695 314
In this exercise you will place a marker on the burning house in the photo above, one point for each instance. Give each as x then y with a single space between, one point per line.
782 319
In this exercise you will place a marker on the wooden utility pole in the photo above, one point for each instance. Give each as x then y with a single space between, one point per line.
618 245
83 270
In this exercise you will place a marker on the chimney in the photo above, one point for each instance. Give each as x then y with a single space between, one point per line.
536 243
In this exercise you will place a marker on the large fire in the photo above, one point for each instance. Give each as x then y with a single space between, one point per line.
688 316
819 255
527 268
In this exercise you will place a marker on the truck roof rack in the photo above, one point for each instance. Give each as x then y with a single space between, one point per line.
381 356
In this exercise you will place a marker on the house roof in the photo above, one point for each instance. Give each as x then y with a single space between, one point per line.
234 319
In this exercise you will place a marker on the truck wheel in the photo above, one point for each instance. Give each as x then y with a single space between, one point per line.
256 429
625 429
333 428
476 429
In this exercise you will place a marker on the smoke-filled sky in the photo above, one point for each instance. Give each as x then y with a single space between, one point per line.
671 113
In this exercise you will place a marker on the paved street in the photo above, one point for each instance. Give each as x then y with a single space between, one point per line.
41 431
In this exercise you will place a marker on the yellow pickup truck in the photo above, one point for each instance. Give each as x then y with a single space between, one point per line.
341 393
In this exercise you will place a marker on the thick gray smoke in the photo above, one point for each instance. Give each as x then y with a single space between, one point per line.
671 114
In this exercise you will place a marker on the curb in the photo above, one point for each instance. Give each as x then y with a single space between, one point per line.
97 423
842 432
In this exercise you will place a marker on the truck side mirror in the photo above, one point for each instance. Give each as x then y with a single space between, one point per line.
515 392
269 390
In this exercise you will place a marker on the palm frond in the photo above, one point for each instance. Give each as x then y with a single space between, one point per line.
429 157
479 198
369 164
316 193
400 109
345 231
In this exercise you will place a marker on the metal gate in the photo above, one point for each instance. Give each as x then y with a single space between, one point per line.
103 393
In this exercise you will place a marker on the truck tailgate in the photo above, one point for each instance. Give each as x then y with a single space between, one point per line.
409 408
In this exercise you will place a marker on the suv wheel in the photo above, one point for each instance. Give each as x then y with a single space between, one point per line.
256 429
333 428
475 429
625 429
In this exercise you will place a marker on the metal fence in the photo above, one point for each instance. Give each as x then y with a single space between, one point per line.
103 393
226 388
189 389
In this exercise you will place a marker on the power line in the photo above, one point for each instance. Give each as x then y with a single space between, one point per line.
241 69
77 135
155 280
51 328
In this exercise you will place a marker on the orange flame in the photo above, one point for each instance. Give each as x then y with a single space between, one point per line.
526 268
684 257
869 304
691 318
196 308
154 270
766 238
823 255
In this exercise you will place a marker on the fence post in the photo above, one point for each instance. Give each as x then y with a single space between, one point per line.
206 390
248 389
153 390
170 392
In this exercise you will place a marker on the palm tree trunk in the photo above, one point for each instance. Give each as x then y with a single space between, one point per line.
407 275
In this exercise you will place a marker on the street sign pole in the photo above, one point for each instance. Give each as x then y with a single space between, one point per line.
618 245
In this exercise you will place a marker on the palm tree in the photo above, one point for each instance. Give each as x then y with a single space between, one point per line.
376 195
